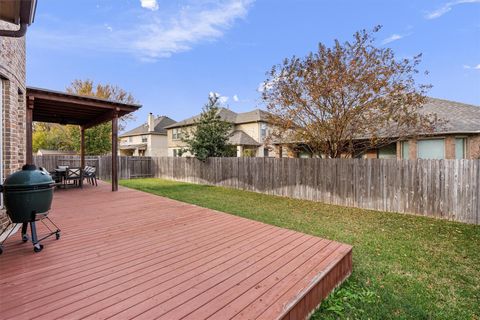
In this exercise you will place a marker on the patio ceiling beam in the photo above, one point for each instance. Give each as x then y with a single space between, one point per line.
105 117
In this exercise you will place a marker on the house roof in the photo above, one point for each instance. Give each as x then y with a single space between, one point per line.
240 138
460 117
139 146
252 116
160 123
228 115
18 11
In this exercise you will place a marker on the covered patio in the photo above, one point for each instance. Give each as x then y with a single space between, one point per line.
149 257
58 107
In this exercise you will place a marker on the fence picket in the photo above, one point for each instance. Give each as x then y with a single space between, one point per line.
448 189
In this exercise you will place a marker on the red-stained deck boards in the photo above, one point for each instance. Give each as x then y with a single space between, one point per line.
133 255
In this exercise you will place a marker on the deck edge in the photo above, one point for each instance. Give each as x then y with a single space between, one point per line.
309 302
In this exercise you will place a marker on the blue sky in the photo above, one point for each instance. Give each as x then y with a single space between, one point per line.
171 54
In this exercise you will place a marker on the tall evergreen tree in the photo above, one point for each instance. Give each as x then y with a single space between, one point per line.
209 135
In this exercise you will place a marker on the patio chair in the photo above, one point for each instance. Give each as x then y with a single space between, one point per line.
73 176
56 176
90 174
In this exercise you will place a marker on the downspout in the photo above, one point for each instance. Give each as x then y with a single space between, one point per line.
15 33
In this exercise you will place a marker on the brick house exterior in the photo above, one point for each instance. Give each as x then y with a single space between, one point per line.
13 88
458 138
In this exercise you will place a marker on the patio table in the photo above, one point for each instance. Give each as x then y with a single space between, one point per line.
62 173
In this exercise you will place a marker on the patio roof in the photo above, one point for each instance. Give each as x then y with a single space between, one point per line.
64 108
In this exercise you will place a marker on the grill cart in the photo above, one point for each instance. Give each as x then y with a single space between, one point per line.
27 196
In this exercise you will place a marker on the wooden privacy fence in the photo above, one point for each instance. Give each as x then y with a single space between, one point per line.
447 189
128 167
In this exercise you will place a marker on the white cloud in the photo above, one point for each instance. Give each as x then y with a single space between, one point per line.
108 27
150 35
189 27
261 87
268 85
446 8
223 99
392 38
235 98
466 66
149 4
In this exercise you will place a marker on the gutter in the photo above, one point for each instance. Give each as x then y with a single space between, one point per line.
26 18
15 33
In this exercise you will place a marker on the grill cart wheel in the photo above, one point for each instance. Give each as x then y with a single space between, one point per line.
24 238
38 247
57 235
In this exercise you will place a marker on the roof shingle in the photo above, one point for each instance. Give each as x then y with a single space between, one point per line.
240 138
228 116
160 125
460 117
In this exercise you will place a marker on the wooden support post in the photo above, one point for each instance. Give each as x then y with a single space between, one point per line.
29 131
82 152
82 147
115 151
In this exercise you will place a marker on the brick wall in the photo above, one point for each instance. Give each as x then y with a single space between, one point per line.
12 75
473 147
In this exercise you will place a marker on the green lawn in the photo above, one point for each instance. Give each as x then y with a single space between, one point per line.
405 267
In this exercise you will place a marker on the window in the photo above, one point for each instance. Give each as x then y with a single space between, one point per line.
176 134
431 149
263 131
405 150
176 153
265 152
460 149
144 138
388 152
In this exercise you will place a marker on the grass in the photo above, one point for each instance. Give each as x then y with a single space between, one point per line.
405 267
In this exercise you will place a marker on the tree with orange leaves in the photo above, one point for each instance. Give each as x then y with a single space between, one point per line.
346 99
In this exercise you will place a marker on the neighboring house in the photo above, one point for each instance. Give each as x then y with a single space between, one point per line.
250 129
44 152
458 138
15 16
149 139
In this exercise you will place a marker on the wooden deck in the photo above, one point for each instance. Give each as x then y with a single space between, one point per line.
131 254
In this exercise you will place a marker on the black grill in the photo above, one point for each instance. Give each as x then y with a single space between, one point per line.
27 196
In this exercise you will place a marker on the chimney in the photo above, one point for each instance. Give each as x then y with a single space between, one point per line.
151 122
